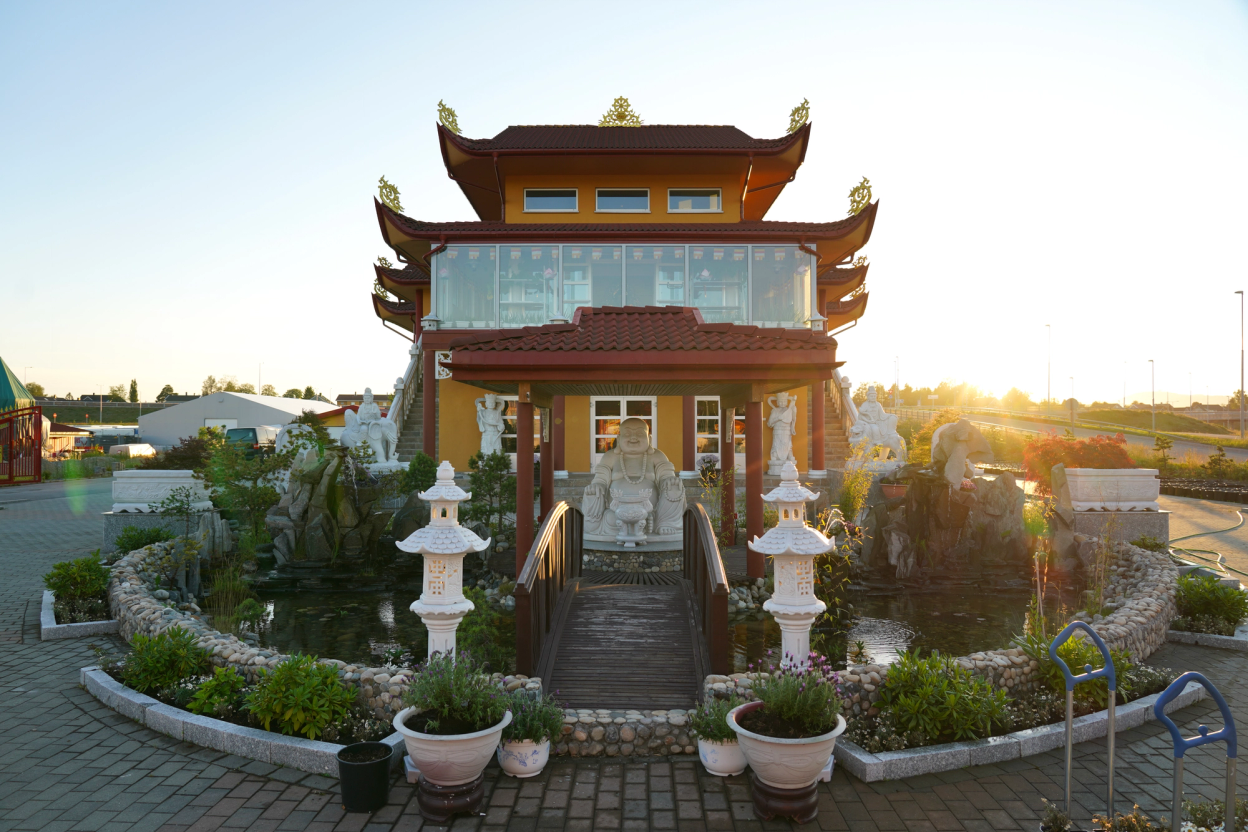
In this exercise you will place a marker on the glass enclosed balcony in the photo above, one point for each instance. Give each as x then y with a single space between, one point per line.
489 287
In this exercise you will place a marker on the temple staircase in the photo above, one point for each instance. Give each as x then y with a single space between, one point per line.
836 447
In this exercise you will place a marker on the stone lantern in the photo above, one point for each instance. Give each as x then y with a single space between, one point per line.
443 543
793 547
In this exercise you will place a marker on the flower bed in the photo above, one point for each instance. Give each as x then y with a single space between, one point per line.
75 602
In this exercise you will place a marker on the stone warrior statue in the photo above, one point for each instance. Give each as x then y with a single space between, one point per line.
635 473
491 424
878 428
783 423
366 427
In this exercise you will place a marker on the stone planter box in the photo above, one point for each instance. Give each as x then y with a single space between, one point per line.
140 491
307 755
1108 489
1239 641
49 630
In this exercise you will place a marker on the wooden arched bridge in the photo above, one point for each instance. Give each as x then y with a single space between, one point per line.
624 639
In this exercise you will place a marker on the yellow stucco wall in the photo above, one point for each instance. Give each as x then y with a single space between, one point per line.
587 184
576 433
670 428
801 447
458 436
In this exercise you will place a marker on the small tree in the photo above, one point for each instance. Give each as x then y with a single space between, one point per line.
134 391
422 473
493 490
210 386
165 393
1219 464
179 505
117 393
246 485
268 390
36 389
247 387
1162 444
309 393
293 393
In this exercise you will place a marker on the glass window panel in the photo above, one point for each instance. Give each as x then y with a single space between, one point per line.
607 427
654 276
602 445
508 438
623 200
739 434
592 276
718 277
607 408
526 284
550 200
638 407
465 289
693 199
707 407
708 444
780 286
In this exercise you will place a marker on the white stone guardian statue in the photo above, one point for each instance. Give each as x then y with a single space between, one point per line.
491 423
366 427
783 423
633 476
878 430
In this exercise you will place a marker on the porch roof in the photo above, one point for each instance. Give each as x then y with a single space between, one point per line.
643 351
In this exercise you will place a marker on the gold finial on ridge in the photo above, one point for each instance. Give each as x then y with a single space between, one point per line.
799 116
389 195
447 118
383 262
620 115
860 196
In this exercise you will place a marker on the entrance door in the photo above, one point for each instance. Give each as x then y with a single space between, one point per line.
709 417
606 413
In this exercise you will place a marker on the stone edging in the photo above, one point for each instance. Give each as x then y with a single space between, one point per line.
894 765
307 755
49 630
1239 641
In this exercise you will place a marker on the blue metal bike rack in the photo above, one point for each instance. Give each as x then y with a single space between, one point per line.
1087 676
1225 734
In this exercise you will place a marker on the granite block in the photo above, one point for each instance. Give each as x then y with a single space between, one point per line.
304 754
994 750
915 761
858 761
166 719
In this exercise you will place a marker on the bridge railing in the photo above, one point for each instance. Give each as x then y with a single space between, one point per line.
554 559
705 570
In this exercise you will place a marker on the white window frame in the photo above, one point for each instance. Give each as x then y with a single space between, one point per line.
576 197
537 428
594 456
597 210
719 210
719 412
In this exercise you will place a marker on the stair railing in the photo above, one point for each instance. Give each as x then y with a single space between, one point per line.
704 568
405 389
554 559
845 401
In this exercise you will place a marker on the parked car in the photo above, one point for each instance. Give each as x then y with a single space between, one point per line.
261 439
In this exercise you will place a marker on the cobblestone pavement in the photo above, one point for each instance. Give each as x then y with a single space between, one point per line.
68 763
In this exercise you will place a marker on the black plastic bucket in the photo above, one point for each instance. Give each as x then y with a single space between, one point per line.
365 786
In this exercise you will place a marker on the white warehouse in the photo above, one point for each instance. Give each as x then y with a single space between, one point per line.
167 427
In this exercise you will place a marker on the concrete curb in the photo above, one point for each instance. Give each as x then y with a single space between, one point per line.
894 765
1239 641
312 756
49 630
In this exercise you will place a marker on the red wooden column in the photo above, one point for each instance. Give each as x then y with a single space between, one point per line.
727 463
559 463
524 478
428 412
546 453
689 434
755 562
817 461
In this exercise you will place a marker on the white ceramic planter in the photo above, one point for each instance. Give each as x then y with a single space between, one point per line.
723 759
450 760
523 758
141 490
1109 489
783 763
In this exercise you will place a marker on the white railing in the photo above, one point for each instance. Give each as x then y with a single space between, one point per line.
849 412
405 391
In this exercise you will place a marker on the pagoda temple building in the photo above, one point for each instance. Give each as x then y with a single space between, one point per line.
618 272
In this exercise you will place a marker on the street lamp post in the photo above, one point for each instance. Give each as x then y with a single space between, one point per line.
1240 292
1152 375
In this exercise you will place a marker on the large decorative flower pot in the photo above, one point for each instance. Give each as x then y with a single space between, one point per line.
450 760
523 758
723 759
1108 489
784 763
893 490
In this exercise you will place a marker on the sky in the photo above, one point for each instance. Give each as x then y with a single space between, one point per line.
186 189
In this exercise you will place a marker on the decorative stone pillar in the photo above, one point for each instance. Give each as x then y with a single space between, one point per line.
443 543
793 545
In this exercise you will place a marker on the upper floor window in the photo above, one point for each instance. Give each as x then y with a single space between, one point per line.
621 200
694 201
546 199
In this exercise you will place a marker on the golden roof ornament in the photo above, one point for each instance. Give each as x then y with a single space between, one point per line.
860 197
447 118
860 261
384 263
389 195
380 291
620 115
799 116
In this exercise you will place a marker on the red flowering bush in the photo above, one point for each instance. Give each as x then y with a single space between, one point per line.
1041 453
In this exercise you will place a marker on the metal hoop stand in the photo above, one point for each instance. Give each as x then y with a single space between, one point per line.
1087 676
1225 734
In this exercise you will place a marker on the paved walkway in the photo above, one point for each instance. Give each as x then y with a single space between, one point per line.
1207 518
68 763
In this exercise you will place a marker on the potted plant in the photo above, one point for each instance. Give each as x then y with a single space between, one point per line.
526 740
364 770
454 720
788 735
893 487
1055 818
717 742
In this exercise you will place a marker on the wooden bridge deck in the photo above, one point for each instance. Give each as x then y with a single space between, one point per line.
625 640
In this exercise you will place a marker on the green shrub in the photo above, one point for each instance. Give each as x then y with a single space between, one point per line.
133 537
1078 653
710 721
1209 815
163 661
488 633
421 474
1204 596
941 699
807 699
536 720
1152 544
301 697
78 579
456 690
219 696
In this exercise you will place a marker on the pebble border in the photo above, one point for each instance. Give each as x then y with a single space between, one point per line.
49 630
589 732
312 756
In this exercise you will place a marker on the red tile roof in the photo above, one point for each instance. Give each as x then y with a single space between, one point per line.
648 137
614 328
415 273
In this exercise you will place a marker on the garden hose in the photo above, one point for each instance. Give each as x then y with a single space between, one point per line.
1238 514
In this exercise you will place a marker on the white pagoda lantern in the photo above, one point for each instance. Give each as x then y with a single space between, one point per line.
443 543
793 547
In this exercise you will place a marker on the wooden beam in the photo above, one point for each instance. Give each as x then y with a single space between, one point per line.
727 470
524 477
755 562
